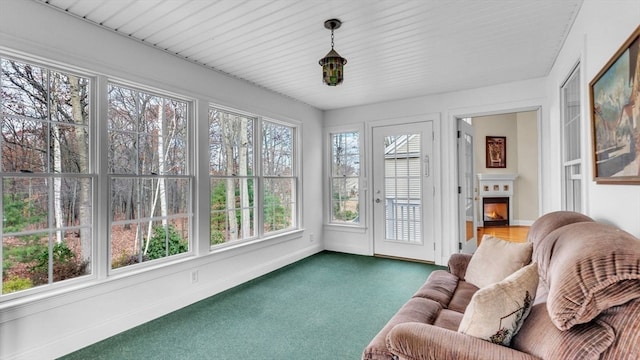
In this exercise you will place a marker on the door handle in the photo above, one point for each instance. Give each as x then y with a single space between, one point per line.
426 165
377 201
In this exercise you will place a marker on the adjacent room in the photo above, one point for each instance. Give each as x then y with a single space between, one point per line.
287 179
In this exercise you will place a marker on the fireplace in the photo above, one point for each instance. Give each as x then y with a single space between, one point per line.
495 211
496 204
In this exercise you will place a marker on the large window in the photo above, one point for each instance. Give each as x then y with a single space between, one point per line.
46 176
345 177
571 143
253 176
149 182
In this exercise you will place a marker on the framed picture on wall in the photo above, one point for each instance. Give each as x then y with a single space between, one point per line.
496 150
615 116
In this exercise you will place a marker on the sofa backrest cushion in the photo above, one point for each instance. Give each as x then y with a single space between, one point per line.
495 259
549 222
588 267
539 337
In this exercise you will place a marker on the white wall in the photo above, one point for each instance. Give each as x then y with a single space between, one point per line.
445 108
527 182
598 32
50 325
600 28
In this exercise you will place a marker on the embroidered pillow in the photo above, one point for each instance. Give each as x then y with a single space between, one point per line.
495 259
496 312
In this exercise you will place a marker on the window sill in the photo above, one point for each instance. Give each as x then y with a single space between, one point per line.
346 228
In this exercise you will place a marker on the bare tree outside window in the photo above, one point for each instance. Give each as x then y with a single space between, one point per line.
149 183
345 177
235 182
45 176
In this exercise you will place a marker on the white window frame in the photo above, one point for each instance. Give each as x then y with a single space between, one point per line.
329 132
93 268
188 176
259 178
572 198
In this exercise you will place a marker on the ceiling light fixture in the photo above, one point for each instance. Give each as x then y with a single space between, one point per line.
332 64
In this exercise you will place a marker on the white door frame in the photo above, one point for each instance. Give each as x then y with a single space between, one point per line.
436 166
451 246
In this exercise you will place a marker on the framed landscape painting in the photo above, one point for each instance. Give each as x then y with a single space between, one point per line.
615 116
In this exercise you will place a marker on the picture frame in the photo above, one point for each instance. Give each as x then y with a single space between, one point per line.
496 152
615 116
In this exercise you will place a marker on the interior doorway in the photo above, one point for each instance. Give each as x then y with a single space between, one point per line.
520 130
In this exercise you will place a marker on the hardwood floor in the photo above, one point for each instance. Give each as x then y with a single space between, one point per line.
511 233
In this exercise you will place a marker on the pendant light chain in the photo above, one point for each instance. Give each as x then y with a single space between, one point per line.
331 39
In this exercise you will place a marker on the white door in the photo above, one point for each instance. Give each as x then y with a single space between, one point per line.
403 191
467 218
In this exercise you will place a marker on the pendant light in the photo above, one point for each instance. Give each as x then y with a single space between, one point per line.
332 64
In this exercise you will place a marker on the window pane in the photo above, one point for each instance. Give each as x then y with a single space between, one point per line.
163 131
345 169
125 245
571 141
70 95
24 145
24 90
571 117
345 200
123 109
27 254
123 147
133 243
148 137
71 149
47 219
234 176
148 133
232 209
277 149
279 204
230 143
25 205
345 154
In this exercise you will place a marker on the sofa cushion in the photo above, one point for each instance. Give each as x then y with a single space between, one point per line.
448 319
495 259
417 309
549 222
439 287
496 312
588 267
462 296
538 336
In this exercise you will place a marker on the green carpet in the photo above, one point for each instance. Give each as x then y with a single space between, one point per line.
327 306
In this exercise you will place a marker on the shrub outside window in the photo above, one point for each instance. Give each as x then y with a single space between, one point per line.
45 176
242 183
149 182
345 178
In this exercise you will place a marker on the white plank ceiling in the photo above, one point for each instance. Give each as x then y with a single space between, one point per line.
395 49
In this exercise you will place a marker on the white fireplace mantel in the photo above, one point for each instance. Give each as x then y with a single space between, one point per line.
496 185
510 177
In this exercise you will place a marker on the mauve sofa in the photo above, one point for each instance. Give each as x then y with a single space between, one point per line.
587 304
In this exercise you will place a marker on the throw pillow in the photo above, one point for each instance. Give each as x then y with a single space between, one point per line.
495 259
496 312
